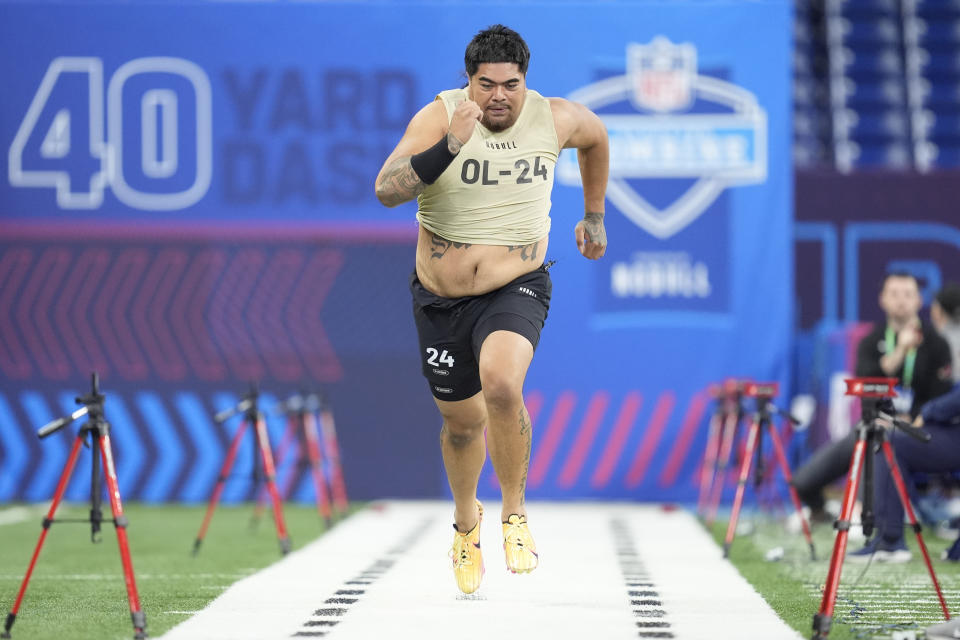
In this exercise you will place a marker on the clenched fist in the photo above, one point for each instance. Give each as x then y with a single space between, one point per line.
464 119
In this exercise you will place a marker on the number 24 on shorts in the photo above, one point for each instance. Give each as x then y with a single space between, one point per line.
437 358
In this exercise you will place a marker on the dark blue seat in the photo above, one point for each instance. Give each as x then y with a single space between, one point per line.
938 9
945 127
939 65
941 95
886 126
886 93
809 153
882 62
947 157
802 62
940 34
869 8
883 156
802 32
871 32
805 92
809 122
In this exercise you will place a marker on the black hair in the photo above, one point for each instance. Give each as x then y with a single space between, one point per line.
496 43
949 299
899 274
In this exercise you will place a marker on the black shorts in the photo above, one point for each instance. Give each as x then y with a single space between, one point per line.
452 330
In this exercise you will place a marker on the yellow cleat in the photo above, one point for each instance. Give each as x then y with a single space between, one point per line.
466 556
518 545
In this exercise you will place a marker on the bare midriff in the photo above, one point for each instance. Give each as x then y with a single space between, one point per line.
457 269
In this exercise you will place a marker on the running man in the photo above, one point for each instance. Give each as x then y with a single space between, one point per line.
480 161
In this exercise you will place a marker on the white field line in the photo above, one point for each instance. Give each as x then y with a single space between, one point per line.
880 590
119 574
579 591
35 511
711 598
863 610
20 513
14 515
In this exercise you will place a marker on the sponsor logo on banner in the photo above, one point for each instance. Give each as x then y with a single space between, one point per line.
656 274
721 144
680 136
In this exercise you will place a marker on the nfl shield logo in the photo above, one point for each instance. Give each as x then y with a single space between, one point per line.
663 143
661 74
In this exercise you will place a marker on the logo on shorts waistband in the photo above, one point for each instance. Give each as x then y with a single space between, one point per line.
527 291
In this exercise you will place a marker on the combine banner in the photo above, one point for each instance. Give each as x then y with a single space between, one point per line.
187 207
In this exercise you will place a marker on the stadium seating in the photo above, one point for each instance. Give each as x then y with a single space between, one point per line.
876 84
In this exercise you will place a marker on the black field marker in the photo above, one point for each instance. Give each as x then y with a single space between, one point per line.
640 588
324 620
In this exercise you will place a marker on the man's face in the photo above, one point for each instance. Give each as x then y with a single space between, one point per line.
499 89
900 299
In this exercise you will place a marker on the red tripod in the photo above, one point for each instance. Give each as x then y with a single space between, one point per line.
723 437
874 394
252 417
332 448
709 466
99 430
302 426
763 393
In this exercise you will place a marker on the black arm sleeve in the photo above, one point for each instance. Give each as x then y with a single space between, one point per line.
429 164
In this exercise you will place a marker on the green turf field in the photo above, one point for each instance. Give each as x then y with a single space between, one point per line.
77 590
872 602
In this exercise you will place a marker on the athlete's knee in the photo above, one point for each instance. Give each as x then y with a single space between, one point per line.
461 433
502 394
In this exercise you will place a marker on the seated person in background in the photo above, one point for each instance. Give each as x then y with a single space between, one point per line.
901 347
941 419
945 316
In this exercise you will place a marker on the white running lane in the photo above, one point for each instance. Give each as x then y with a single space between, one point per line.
607 571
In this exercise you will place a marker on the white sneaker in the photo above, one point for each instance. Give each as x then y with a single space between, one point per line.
881 552
944 531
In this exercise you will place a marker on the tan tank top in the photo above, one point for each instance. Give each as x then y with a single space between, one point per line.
497 189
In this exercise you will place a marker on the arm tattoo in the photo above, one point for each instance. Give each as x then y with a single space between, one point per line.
400 183
453 144
593 228
527 251
440 246
528 436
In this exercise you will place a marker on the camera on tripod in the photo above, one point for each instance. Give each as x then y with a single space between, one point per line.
872 387
876 399
878 418
761 389
762 423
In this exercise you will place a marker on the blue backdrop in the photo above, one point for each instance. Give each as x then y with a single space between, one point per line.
188 206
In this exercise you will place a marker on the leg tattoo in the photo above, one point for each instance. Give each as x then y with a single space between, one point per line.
527 434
